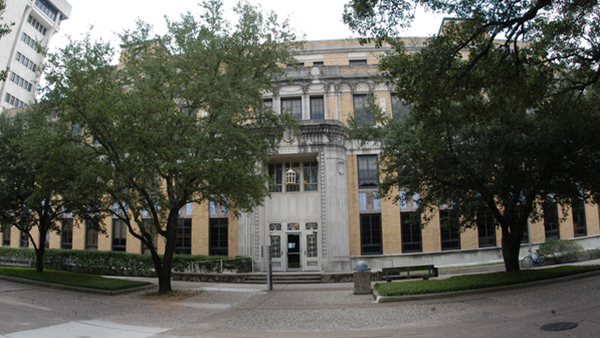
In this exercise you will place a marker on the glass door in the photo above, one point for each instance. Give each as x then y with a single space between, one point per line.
293 252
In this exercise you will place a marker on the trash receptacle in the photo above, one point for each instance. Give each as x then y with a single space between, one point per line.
362 279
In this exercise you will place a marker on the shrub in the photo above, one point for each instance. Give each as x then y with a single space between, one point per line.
561 250
122 263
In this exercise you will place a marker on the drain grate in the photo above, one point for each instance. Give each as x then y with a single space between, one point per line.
562 326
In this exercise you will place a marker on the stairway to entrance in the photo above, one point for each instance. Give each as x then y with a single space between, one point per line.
285 278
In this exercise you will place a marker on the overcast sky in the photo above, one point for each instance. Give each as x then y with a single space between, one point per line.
316 19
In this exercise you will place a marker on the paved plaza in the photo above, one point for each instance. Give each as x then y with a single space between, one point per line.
316 310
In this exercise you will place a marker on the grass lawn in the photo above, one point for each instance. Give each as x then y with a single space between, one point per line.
479 281
72 279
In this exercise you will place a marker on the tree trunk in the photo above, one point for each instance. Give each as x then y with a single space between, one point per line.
164 276
511 245
39 258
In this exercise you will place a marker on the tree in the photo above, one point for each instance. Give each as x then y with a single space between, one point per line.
4 29
495 125
180 120
39 176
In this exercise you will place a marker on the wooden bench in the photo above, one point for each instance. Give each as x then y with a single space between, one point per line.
15 262
404 272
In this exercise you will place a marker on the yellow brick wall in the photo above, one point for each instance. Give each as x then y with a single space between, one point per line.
200 229
347 106
353 205
232 235
592 219
332 107
469 238
431 234
390 225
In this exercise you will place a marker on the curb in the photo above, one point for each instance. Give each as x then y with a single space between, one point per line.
74 288
381 299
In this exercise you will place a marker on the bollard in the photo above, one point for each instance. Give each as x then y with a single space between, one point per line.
362 279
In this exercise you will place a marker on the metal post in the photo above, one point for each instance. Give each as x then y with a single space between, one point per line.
269 269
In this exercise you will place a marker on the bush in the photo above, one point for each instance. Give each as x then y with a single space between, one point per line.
561 250
122 263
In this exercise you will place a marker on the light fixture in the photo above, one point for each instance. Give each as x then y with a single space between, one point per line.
290 176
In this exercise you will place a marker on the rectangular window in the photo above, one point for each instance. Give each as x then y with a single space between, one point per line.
6 236
368 172
119 235
370 234
551 224
183 245
66 234
486 228
361 111
450 230
218 243
579 223
24 240
91 235
311 176
47 8
276 177
399 108
358 63
317 108
268 104
292 106
411 232
149 227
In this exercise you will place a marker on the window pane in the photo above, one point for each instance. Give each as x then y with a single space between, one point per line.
370 234
368 176
292 106
450 231
411 232
486 227
317 108
551 223
218 240
361 113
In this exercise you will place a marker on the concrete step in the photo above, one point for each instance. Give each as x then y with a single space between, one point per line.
288 278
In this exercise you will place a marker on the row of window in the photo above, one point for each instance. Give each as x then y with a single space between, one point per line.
218 236
293 105
410 223
37 25
26 62
47 9
307 176
353 63
29 41
13 101
21 82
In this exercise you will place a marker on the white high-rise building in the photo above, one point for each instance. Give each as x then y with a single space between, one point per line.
35 22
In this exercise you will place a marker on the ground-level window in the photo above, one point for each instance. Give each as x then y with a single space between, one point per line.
370 234
183 245
6 236
149 228
551 223
450 230
91 235
218 239
579 224
66 234
410 224
486 228
119 235
24 239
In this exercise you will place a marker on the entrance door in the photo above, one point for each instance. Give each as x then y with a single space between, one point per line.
293 251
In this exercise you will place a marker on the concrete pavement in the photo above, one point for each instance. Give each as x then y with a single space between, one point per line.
318 310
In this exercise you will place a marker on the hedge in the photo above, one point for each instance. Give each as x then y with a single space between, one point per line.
122 263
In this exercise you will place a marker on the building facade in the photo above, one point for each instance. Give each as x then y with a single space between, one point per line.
331 216
22 50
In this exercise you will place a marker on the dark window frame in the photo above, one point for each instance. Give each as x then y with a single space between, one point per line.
218 234
411 232
486 229
449 230
368 171
371 236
